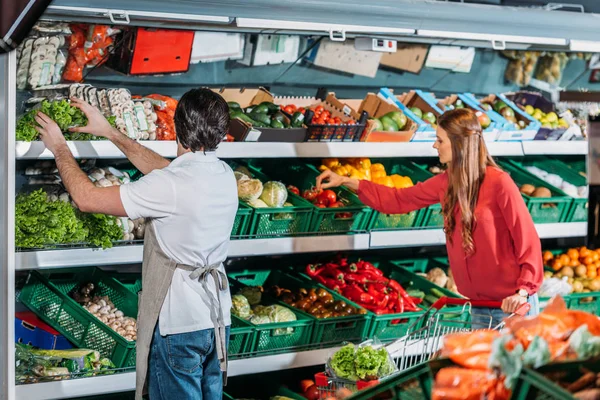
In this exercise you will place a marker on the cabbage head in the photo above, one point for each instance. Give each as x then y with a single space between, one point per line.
274 194
249 189
240 306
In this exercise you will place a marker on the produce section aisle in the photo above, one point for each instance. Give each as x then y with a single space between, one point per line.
268 233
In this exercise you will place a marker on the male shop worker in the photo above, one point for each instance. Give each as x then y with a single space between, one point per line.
191 203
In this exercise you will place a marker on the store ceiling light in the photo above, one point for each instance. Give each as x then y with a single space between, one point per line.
490 37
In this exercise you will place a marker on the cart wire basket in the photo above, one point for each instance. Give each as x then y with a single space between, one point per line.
424 339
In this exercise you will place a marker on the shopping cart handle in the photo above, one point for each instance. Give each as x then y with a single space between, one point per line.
450 301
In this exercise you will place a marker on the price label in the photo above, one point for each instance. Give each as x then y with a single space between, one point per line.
45 76
129 124
141 117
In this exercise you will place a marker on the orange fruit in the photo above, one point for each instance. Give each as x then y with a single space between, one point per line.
584 252
573 254
588 260
595 256
564 259
557 265
574 263
548 256
592 272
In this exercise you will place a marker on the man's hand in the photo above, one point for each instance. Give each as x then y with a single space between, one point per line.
512 303
97 125
50 132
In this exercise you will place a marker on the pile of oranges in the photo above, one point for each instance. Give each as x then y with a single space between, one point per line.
577 259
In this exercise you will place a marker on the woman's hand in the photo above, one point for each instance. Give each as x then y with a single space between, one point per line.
97 125
512 303
50 132
329 179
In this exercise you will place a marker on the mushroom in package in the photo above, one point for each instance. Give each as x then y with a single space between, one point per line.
43 60
122 108
23 63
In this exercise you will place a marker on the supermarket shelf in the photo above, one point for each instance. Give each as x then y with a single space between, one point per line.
73 257
83 387
126 382
539 147
260 247
433 237
107 150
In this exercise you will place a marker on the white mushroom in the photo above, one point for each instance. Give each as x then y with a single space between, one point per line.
94 308
105 310
111 316
104 319
119 314
104 182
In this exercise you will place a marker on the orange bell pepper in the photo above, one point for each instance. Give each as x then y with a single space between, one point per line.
331 162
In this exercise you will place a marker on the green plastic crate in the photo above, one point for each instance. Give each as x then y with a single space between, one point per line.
414 265
279 336
242 220
328 331
47 296
241 338
131 280
543 210
388 327
284 221
578 212
324 220
432 217
411 384
381 221
588 302
533 385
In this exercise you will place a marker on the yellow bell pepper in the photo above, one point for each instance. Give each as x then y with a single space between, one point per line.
401 182
377 167
377 174
341 170
323 168
331 162
367 173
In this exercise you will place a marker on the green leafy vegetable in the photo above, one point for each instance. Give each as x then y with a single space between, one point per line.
369 361
63 113
342 363
40 222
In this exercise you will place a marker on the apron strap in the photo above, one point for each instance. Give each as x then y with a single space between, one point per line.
216 311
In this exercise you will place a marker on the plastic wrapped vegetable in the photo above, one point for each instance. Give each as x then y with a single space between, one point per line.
240 306
342 363
274 194
249 189
253 294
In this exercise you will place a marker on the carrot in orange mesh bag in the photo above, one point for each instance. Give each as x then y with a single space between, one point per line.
470 350
455 383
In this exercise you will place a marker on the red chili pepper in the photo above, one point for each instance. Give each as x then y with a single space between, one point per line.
333 273
342 261
372 275
376 310
383 302
370 267
400 309
417 301
313 270
402 293
357 278
356 294
332 283
319 279
353 267
377 296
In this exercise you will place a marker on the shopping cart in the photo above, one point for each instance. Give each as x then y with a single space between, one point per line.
425 337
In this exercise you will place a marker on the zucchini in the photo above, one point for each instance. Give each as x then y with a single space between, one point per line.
437 293
430 299
279 117
241 116
248 110
416 293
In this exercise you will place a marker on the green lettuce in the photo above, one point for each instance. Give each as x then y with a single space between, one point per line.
342 363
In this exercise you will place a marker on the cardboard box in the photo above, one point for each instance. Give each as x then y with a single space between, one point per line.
29 329
342 56
425 102
243 132
407 57
270 49
510 132
337 133
377 108
497 121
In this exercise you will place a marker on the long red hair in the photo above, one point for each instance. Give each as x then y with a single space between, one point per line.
466 172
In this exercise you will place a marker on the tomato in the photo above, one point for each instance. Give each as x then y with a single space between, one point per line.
312 393
293 189
337 204
319 109
319 205
305 384
327 197
331 121
326 114
338 120
310 194
346 215
301 110
289 109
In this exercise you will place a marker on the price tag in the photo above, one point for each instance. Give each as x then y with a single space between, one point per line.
44 78
141 117
129 124
347 110
253 135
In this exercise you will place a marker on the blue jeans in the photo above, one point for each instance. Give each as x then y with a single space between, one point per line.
185 366
482 318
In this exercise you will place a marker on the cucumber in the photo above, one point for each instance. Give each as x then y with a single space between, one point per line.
430 299
277 124
248 110
261 108
234 105
260 117
272 108
297 119
437 293
241 116
416 293
279 117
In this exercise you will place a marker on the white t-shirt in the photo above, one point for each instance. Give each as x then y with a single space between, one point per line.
192 204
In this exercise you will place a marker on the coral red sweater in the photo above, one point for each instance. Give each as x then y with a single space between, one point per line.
508 254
